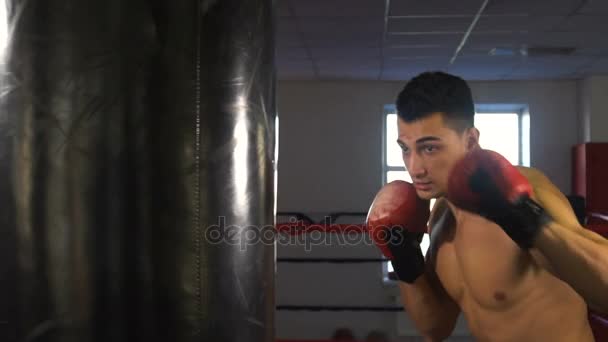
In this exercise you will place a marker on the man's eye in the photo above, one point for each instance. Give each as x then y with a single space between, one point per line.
430 149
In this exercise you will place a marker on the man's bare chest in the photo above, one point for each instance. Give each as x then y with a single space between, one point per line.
479 264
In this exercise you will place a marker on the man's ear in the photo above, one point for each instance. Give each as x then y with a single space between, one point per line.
472 139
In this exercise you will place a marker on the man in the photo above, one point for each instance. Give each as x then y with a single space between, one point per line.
506 248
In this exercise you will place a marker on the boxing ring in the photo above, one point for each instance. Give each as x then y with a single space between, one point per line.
301 224
127 130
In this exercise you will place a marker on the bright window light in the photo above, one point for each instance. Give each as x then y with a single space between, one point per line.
393 151
500 132
398 175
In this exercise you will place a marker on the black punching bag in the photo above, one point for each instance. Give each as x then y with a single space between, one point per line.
212 130
72 84
137 168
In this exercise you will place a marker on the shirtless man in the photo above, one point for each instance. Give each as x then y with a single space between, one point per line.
506 248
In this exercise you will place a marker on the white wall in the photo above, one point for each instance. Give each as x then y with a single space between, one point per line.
330 160
584 110
593 101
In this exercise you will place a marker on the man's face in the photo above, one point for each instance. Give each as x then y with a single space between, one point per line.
429 148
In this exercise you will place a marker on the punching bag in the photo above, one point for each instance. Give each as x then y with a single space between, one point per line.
212 130
137 171
72 81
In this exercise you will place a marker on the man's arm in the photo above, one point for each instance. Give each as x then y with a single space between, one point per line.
426 301
431 309
577 256
535 214
397 219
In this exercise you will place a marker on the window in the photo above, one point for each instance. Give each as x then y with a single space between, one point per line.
503 128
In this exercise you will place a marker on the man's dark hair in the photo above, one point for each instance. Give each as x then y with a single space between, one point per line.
437 91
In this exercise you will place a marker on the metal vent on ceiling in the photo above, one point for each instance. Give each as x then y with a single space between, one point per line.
533 51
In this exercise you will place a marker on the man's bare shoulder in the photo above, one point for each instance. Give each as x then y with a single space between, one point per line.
536 177
544 190
550 197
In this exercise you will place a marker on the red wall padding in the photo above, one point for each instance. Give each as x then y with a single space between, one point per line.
589 170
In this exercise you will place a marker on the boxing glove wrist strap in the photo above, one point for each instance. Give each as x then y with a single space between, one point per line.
407 261
522 220
407 272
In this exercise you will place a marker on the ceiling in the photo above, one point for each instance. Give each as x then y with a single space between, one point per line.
397 39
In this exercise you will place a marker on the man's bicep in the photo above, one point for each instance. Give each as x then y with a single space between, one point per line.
558 207
560 210
551 199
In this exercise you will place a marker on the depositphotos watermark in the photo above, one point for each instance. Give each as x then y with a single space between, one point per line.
299 234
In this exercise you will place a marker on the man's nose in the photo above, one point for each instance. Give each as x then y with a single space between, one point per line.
415 165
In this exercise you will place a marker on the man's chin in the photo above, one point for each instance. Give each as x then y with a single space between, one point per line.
428 194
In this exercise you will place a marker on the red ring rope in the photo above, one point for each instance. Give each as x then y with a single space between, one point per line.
299 228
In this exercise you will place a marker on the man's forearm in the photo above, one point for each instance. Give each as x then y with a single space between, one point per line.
430 308
580 258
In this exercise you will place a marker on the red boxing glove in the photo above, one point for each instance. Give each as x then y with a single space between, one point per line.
486 183
396 220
